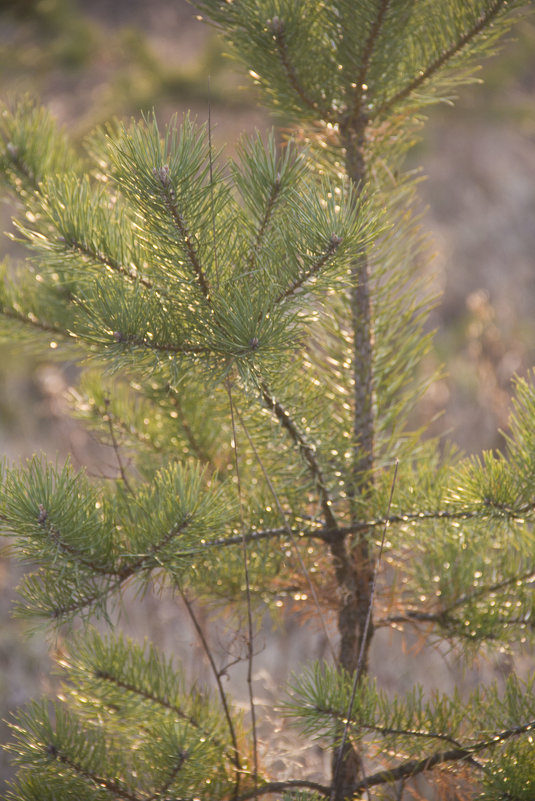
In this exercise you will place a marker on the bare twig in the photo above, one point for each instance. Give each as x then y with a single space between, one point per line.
220 688
248 596
288 530
115 446
211 167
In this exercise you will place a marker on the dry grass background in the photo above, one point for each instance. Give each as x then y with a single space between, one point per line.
98 58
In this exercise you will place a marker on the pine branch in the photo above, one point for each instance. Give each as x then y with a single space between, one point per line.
170 201
306 449
444 616
55 536
328 253
32 320
136 567
386 731
330 534
360 91
481 591
406 770
112 785
191 438
109 264
20 166
414 767
483 22
270 206
116 681
159 347
277 28
162 790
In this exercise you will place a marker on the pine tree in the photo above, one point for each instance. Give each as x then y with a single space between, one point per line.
251 334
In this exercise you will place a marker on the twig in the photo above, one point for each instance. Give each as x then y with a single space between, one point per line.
161 792
306 449
278 30
111 265
448 54
221 689
360 91
332 246
169 199
137 342
114 786
275 190
413 767
115 445
289 531
211 167
248 596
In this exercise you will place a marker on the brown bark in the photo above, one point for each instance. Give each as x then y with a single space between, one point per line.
353 567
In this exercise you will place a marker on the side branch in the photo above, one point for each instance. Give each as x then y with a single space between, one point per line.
330 534
328 253
444 617
415 766
306 450
360 91
147 344
403 771
275 190
54 535
170 201
108 264
31 319
164 702
483 21
114 786
278 30
145 562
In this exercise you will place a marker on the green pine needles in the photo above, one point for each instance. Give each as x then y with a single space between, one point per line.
251 334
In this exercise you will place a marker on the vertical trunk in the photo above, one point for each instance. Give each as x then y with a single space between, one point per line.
354 568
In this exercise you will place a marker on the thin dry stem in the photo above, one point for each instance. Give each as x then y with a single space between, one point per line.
250 633
289 532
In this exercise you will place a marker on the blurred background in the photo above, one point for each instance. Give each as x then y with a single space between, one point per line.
91 60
